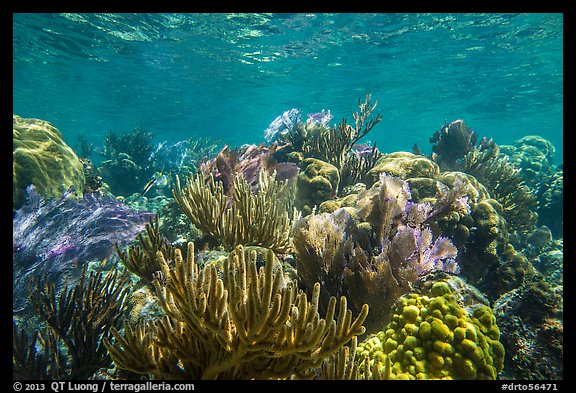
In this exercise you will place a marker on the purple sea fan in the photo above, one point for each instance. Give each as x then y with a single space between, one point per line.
413 248
322 118
282 125
57 236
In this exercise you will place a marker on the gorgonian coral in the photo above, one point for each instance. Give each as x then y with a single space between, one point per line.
239 323
263 218
377 260
57 236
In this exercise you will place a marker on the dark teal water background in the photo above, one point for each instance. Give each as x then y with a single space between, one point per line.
228 76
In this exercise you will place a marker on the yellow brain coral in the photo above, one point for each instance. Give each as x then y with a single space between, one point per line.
41 157
432 337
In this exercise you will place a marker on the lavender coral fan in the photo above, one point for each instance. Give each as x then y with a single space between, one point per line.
58 236
378 260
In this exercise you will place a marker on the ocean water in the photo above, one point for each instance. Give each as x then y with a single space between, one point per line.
228 76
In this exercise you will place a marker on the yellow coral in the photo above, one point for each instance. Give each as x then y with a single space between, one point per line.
41 157
261 219
432 337
250 323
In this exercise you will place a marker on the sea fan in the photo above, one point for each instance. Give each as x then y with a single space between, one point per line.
58 236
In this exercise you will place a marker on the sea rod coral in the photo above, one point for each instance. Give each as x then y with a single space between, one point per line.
248 324
261 219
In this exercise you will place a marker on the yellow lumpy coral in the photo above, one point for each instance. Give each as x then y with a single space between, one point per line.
42 158
432 337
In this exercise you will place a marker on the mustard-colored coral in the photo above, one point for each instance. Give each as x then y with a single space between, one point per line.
249 324
430 336
41 157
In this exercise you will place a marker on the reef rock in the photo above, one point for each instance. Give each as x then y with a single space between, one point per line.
42 158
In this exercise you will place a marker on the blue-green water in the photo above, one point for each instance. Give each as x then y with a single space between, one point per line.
228 76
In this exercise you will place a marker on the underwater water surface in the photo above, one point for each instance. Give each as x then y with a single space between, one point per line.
288 196
229 75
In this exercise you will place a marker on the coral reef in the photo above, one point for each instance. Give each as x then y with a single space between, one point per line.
250 160
141 259
404 165
504 183
41 157
59 236
551 202
249 324
77 320
246 218
127 166
185 157
374 254
533 155
431 336
356 166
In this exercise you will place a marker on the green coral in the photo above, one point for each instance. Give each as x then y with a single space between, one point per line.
431 336
41 157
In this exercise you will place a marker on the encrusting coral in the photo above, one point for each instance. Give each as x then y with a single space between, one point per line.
317 182
261 219
248 324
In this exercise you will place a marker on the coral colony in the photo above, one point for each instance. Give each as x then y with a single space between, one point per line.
313 255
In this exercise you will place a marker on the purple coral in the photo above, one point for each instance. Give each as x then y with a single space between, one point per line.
427 256
283 124
56 236
322 118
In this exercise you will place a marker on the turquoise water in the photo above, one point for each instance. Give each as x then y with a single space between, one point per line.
228 76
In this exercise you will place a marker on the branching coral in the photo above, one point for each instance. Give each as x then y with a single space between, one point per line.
28 362
333 144
246 218
360 160
141 260
504 183
77 319
247 324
